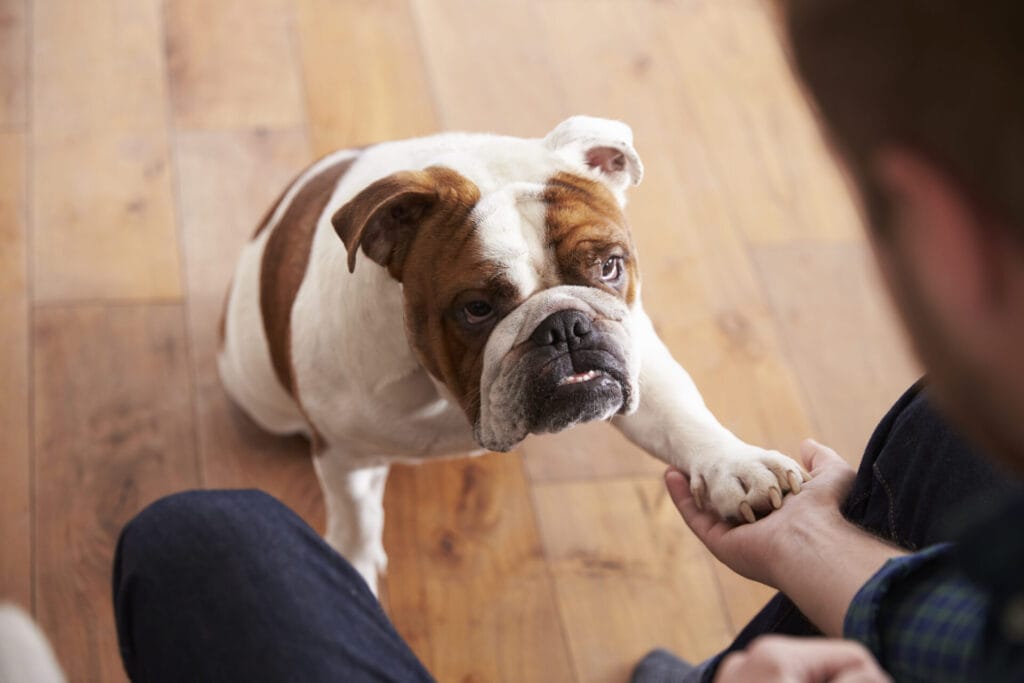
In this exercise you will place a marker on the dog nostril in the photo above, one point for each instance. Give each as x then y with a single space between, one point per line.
545 334
581 328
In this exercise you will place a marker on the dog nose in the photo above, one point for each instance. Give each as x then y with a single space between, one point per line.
562 327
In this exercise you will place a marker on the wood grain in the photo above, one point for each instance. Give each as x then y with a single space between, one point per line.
840 334
227 180
113 432
478 588
364 74
233 64
629 576
101 186
13 65
590 451
741 101
15 464
513 90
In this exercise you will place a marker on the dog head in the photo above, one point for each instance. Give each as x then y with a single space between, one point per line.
518 273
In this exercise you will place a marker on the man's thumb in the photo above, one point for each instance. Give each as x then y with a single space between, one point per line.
816 455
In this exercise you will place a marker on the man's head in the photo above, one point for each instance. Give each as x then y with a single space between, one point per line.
518 274
922 101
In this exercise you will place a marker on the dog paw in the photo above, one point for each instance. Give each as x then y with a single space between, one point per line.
742 485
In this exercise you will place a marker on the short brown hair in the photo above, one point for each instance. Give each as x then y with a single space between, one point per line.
942 77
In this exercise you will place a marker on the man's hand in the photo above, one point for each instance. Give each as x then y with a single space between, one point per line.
806 549
778 659
748 548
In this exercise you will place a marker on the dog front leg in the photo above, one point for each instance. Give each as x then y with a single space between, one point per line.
354 498
672 423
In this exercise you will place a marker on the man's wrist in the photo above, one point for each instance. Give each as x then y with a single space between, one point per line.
822 563
801 541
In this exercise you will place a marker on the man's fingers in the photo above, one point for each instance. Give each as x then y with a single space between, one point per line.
784 658
862 676
678 487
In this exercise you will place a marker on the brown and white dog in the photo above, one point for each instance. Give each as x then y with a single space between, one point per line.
497 294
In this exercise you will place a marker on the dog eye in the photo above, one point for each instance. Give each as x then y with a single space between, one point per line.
477 312
611 269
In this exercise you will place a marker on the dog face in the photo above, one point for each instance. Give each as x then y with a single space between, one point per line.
517 296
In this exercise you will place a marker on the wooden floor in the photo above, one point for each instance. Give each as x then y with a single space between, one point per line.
141 139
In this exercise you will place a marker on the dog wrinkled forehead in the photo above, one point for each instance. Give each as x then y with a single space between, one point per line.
511 227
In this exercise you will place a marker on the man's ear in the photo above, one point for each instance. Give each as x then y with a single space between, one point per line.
383 218
602 148
942 235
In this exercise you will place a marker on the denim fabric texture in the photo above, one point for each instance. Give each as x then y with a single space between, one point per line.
233 586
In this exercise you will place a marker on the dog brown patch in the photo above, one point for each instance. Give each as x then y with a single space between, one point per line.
285 258
269 213
440 261
585 225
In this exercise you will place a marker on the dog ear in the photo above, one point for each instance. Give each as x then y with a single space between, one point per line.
601 147
383 218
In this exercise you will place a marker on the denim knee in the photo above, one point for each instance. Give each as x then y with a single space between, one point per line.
181 526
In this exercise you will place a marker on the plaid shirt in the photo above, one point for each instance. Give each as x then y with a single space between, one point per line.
952 612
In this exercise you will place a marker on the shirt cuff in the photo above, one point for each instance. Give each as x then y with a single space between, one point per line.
861 622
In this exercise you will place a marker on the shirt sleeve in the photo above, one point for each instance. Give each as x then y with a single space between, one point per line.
921 618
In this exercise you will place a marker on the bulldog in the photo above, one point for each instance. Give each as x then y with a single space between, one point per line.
425 297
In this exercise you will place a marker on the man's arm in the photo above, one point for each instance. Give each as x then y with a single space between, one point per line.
804 549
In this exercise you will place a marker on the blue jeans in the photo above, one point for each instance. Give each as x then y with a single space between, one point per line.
231 585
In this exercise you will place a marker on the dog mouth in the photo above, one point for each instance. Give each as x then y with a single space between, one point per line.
576 387
581 377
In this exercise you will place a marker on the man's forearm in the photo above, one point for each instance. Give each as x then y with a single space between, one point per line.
823 564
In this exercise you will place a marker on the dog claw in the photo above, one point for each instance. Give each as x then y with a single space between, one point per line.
747 512
698 496
776 497
794 482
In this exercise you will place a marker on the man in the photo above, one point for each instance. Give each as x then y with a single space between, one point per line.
923 104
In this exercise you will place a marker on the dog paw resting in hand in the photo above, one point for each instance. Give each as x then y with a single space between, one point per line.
740 486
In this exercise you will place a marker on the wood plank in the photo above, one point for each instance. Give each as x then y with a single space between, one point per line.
13 65
743 103
15 464
233 64
364 74
841 335
629 576
113 431
590 451
488 69
101 205
478 586
226 182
